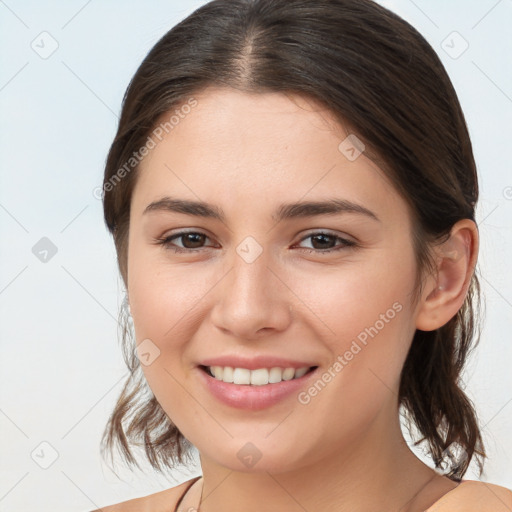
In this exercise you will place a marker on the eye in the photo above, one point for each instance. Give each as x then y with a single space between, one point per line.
191 241
325 242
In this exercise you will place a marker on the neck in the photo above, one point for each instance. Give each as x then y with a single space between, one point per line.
375 470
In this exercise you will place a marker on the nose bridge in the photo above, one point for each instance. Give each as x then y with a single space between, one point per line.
249 280
251 298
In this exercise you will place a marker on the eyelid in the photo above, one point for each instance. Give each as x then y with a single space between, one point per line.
312 231
173 236
346 243
328 232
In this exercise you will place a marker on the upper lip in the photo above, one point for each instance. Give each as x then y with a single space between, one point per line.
255 363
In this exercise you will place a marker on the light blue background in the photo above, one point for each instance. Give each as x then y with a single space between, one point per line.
61 367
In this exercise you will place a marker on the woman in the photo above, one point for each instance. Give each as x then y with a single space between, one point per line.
292 197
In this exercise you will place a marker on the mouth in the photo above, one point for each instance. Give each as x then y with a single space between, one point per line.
257 377
255 389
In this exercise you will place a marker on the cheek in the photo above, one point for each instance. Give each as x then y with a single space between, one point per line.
162 295
364 312
356 295
165 303
368 316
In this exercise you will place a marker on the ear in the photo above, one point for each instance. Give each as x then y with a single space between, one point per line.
445 291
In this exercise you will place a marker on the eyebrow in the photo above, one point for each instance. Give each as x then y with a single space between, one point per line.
285 211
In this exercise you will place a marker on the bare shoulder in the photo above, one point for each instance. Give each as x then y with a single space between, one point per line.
163 501
475 496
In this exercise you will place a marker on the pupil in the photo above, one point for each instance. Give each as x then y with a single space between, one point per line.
197 239
325 238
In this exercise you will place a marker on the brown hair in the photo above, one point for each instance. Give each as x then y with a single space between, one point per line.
372 70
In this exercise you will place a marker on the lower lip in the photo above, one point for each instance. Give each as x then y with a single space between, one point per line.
245 396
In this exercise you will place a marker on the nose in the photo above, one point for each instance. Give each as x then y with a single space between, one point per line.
252 300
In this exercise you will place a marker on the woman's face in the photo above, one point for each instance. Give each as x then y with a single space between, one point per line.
260 280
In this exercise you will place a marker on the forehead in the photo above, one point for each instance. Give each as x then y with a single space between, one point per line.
242 148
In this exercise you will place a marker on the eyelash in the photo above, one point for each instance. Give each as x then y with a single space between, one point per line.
166 242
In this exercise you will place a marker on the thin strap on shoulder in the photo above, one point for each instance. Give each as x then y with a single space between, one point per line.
191 497
162 501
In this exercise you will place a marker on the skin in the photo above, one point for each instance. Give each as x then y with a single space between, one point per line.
247 154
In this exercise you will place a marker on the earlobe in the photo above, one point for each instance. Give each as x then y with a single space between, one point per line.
446 291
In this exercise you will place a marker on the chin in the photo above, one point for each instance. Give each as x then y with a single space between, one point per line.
258 456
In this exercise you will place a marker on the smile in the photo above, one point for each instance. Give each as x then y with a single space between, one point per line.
254 389
258 377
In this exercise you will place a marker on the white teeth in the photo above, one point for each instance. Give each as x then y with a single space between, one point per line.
275 375
217 372
241 376
288 373
259 377
227 374
299 372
